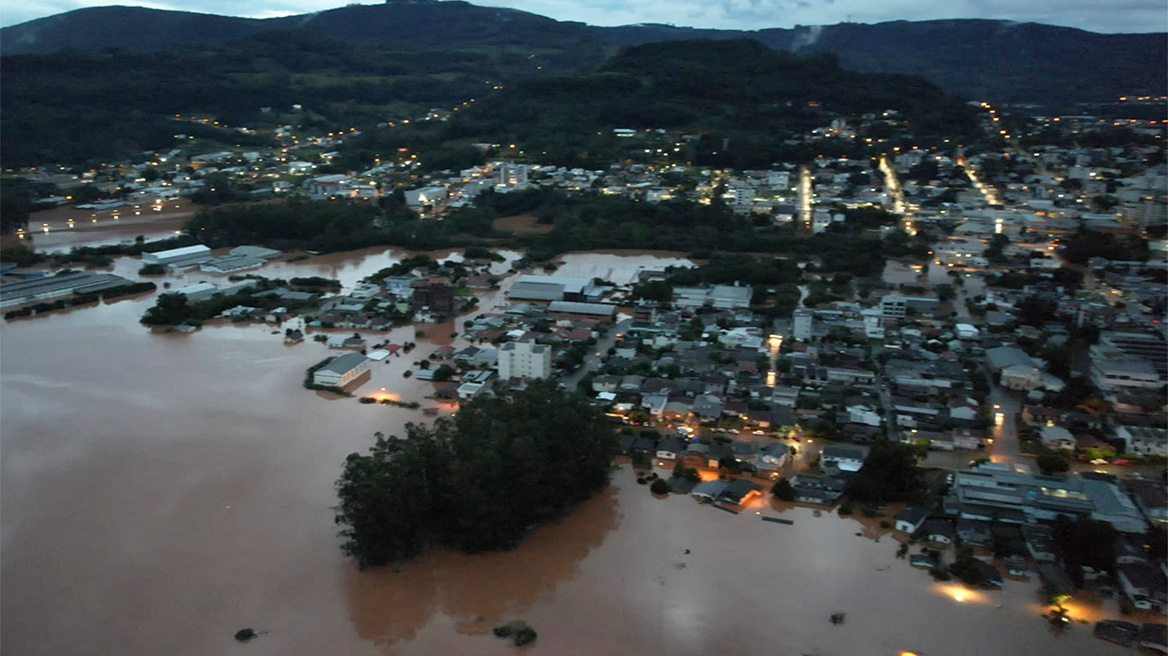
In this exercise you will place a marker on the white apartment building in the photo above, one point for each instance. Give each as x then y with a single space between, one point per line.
525 360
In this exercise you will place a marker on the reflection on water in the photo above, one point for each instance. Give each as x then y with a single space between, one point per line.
390 604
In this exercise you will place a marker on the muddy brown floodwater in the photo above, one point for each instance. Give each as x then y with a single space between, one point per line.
62 228
160 492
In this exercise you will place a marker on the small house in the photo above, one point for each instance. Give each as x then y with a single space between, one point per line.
987 576
642 445
670 448
843 457
910 519
922 560
709 491
1056 437
739 492
938 530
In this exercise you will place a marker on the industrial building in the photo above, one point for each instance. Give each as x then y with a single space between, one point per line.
179 258
600 310
63 284
239 259
997 492
722 297
203 290
342 370
425 196
555 288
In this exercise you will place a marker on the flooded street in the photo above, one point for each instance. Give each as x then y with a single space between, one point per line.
160 492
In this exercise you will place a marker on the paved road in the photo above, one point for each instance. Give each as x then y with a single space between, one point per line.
889 412
591 361
1005 405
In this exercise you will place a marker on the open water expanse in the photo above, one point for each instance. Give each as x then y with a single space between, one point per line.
160 492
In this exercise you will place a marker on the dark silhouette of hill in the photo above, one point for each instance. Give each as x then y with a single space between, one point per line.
996 60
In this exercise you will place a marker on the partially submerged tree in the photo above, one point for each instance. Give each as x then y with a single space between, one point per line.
477 482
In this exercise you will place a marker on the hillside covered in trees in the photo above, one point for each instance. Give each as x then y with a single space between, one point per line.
1001 61
745 103
106 83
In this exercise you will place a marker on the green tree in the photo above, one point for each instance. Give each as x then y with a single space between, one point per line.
477 482
1084 542
783 491
681 470
444 373
388 497
1050 463
889 474
169 310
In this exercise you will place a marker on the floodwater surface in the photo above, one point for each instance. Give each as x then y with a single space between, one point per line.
162 491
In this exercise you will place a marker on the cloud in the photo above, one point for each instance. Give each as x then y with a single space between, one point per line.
1093 15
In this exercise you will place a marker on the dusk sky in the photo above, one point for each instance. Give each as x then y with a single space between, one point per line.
1095 15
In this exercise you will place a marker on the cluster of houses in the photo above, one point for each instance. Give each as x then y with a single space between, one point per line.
432 294
996 508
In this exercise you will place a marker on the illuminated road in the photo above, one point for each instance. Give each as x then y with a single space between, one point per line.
897 192
1005 409
990 194
805 197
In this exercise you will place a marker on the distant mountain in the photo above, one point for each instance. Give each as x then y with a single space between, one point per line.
133 28
400 23
996 60
984 59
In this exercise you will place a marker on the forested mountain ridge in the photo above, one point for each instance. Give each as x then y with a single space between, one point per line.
986 59
749 105
111 81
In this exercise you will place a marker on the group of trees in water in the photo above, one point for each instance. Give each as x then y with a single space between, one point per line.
478 481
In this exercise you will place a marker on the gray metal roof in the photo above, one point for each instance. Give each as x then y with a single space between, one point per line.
1006 356
344 363
60 282
254 251
710 489
573 307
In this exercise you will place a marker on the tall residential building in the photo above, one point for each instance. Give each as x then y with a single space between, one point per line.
525 360
435 295
513 175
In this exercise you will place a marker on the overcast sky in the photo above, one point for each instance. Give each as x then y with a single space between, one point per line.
1094 15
